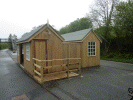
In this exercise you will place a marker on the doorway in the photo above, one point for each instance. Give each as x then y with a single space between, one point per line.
40 52
22 54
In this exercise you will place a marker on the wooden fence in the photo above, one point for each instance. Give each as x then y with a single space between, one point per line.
66 64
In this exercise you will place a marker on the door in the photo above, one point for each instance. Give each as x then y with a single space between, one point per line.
22 54
40 52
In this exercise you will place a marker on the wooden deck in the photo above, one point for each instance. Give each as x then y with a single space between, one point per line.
65 72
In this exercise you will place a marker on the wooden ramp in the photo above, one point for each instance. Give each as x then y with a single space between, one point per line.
56 76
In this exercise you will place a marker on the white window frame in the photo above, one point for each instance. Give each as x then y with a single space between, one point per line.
90 48
17 49
28 50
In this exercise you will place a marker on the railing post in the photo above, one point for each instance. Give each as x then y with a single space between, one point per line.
79 68
52 66
33 61
68 68
41 72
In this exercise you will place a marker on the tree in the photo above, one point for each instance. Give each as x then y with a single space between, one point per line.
102 14
10 40
3 45
123 20
76 25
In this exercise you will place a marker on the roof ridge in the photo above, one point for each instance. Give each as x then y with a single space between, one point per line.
76 31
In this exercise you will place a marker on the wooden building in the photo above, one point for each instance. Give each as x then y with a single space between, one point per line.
43 52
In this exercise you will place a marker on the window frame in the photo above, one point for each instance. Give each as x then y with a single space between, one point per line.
91 48
28 49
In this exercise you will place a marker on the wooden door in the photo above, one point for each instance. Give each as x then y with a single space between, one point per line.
40 52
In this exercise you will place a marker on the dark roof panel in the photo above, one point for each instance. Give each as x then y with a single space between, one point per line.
77 35
30 34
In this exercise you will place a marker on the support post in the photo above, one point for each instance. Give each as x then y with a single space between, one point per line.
79 68
67 68
52 66
33 61
41 72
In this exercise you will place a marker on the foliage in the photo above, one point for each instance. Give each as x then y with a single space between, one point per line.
4 45
78 24
123 27
102 14
9 39
119 59
124 19
115 25
102 11
117 56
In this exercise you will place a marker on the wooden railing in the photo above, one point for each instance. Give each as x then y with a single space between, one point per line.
66 65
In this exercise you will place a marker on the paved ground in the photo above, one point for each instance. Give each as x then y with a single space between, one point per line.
14 82
110 81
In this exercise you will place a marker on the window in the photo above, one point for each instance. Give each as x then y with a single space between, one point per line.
28 51
91 48
17 49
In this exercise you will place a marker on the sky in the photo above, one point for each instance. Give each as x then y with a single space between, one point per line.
20 16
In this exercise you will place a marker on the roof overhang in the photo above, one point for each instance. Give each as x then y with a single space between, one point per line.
94 34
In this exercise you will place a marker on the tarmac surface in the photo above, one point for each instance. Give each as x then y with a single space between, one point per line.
109 81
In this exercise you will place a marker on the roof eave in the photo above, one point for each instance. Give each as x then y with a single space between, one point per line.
86 35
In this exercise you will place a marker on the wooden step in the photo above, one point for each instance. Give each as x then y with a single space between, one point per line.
55 76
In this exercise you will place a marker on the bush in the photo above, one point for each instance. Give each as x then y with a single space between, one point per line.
110 55
3 45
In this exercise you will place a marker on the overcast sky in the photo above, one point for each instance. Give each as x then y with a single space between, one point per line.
20 16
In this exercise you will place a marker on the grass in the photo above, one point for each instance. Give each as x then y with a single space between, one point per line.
120 57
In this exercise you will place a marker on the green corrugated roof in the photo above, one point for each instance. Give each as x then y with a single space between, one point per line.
77 35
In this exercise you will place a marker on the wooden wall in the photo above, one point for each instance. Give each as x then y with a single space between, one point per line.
89 61
18 55
72 50
54 48
28 64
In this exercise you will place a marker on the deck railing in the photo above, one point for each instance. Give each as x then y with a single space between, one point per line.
41 67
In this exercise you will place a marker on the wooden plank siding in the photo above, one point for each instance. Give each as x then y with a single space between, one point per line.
54 49
28 63
72 50
92 60
18 55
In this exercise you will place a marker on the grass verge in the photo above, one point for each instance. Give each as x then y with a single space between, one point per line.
118 59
